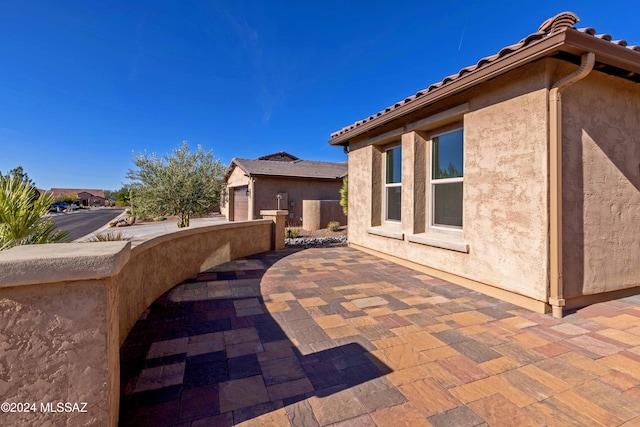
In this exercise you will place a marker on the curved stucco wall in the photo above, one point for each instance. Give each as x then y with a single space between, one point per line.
158 264
66 308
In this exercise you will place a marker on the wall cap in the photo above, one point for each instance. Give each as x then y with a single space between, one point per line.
62 262
149 240
274 212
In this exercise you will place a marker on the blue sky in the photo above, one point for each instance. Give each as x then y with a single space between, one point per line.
85 85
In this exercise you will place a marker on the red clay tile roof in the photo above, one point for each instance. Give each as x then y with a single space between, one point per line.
58 192
295 169
563 22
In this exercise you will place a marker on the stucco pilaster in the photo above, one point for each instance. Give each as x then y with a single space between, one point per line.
413 183
279 217
375 158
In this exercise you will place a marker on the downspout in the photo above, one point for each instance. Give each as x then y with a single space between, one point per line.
556 288
252 199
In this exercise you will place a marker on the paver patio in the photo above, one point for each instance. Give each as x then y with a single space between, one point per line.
335 336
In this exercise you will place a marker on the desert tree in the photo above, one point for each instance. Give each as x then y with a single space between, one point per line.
182 183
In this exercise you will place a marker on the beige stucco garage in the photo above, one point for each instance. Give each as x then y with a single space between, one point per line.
279 181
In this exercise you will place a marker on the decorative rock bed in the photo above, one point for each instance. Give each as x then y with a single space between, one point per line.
315 242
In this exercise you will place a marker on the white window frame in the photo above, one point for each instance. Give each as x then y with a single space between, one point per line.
391 185
433 182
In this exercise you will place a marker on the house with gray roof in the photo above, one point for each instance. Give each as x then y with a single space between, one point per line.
516 176
279 181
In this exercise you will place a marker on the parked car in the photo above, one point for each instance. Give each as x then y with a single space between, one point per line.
58 207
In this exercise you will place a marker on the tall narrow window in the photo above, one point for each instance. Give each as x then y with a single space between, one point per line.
393 184
446 179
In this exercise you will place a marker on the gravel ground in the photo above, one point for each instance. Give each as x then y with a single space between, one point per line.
318 238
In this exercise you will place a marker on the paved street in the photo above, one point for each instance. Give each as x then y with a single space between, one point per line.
139 231
82 222
337 337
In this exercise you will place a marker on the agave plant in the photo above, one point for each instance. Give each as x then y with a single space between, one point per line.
22 219
109 237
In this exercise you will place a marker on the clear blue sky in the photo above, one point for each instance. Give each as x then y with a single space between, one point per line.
84 85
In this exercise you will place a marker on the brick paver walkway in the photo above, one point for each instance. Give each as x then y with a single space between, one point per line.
338 337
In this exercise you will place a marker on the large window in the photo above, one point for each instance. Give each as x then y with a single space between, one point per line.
393 184
446 179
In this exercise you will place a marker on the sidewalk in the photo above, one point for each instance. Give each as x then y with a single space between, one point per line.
147 228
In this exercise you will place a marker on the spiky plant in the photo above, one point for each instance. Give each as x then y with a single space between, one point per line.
109 237
22 219
344 195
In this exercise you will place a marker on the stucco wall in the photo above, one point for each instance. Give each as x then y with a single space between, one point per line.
505 189
266 189
360 193
58 331
160 263
236 179
55 330
601 185
318 213
66 308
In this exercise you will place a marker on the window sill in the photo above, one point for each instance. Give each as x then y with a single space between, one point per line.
386 232
443 241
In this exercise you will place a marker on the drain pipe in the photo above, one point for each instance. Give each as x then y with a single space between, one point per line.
556 288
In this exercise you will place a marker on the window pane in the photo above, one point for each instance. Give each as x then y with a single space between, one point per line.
447 204
394 165
394 203
447 155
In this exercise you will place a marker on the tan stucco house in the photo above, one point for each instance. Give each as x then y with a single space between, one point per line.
84 197
279 181
518 176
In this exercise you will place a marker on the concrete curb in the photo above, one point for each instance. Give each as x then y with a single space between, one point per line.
101 229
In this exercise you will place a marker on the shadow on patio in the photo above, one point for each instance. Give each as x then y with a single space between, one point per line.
207 350
339 337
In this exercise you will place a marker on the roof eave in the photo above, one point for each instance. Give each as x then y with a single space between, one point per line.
606 52
265 175
234 164
530 53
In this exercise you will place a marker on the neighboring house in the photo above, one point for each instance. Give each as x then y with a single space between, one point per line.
84 197
279 181
517 176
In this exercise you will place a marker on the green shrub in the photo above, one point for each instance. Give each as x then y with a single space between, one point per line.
121 204
292 233
333 226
